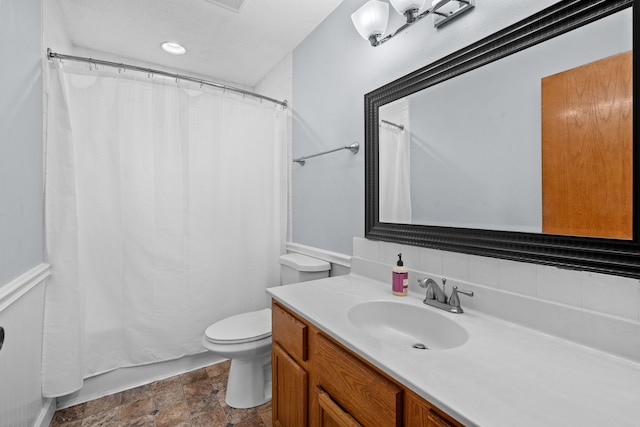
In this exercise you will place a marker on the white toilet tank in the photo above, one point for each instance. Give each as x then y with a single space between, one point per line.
296 268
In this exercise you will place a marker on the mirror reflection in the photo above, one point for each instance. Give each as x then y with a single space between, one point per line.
539 141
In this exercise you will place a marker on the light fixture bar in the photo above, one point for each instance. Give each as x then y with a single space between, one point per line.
443 18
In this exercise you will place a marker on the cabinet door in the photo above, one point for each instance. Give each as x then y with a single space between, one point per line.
289 403
418 412
332 415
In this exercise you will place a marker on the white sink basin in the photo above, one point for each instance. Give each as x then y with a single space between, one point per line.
405 325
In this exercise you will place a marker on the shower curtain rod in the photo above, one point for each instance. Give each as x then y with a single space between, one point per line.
353 148
54 55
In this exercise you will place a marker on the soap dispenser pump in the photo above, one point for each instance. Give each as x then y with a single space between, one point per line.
400 278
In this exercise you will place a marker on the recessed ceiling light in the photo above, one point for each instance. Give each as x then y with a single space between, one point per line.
173 48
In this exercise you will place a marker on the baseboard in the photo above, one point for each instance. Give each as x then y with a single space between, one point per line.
46 413
127 378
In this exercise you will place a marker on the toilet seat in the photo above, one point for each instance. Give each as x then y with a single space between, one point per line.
241 328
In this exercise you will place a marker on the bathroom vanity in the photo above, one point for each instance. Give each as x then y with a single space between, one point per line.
318 382
330 368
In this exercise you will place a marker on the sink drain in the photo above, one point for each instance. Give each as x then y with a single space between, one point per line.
420 346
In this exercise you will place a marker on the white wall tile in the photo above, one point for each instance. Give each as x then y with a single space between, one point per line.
372 250
389 252
484 271
455 265
612 295
597 292
518 277
410 257
431 261
359 244
558 285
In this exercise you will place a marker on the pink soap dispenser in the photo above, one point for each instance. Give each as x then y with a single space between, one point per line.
400 279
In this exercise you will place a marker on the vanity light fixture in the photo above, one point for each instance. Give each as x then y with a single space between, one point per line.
173 48
371 19
408 8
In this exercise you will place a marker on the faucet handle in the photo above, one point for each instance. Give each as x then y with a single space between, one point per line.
422 281
454 300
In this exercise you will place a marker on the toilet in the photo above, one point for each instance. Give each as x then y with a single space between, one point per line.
246 338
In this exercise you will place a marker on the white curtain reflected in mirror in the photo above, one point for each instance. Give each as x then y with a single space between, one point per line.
395 171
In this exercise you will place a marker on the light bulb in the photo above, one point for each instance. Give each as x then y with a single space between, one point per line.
402 6
371 19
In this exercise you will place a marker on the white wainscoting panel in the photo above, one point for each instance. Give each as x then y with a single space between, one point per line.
21 317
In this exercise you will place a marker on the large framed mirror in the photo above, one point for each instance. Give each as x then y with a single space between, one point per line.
520 146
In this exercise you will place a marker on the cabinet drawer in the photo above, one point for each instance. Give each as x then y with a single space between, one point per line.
289 332
367 396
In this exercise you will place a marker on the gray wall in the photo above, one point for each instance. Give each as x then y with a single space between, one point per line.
333 68
21 135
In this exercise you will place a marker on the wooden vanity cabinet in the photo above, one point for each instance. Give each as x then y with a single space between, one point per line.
319 383
289 371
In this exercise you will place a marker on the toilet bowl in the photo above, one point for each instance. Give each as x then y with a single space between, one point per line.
246 338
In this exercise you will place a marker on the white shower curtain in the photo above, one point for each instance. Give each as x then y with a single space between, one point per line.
395 172
165 212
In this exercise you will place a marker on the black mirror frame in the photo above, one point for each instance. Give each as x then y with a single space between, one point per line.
608 256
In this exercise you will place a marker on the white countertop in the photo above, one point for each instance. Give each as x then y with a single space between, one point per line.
504 375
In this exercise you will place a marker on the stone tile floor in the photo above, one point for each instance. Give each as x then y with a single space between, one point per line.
193 399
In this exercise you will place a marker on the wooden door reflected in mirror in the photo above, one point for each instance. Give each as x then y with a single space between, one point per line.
587 141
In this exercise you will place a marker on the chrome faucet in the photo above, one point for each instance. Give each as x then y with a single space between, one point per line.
437 297
433 290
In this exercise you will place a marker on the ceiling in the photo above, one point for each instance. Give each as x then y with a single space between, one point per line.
238 47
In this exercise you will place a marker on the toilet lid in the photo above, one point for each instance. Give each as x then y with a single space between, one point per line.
301 262
241 328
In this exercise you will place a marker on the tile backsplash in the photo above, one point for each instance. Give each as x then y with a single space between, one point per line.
597 310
